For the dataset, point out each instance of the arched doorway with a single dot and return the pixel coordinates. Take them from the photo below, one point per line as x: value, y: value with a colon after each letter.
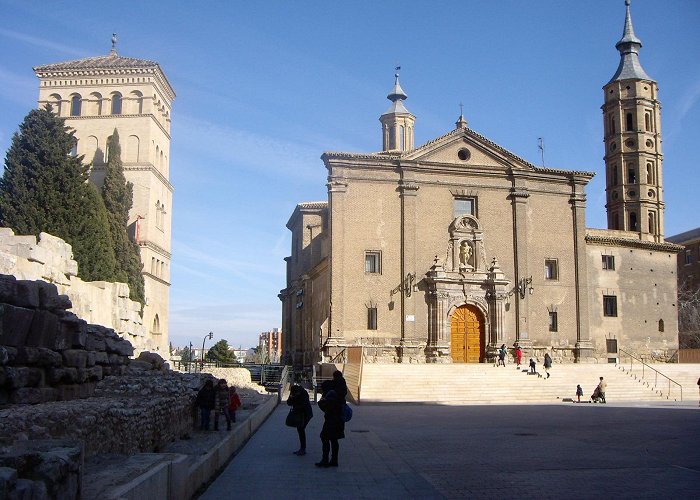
x: 467, y: 335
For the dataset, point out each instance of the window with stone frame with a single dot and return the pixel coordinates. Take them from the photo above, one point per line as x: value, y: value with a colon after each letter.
x: 610, y: 305
x: 464, y: 206
x: 373, y: 262
x: 371, y: 318
x: 608, y: 262
x: 553, y: 321
x: 688, y: 257
x: 551, y: 269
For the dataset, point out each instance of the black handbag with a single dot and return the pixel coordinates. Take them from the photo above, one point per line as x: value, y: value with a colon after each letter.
x: 294, y: 419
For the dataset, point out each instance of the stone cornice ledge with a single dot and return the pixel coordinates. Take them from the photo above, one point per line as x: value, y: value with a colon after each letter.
x: 624, y: 242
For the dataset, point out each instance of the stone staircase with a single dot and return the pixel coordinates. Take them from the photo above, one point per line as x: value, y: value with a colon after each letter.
x: 486, y: 384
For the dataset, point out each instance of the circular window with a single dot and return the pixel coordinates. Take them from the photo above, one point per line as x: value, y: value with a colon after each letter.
x: 613, y: 146
x: 632, y: 193
x: 629, y: 143
x: 628, y: 87
x: 651, y: 194
x: 464, y: 154
x: 614, y: 195
x: 650, y: 143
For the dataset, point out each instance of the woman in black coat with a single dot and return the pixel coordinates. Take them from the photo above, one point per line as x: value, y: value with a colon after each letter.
x: 299, y: 401
x: 206, y: 400
x: 333, y: 425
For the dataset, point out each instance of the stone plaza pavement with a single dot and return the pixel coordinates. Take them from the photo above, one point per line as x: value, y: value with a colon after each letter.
x: 497, y: 451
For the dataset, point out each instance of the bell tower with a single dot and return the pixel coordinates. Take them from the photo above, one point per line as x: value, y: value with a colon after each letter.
x: 397, y: 121
x: 633, y: 157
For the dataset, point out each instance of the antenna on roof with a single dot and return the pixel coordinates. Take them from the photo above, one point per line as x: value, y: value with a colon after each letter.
x: 540, y: 146
x: 114, y: 44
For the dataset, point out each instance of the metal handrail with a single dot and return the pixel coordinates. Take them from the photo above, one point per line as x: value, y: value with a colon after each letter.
x: 334, y: 359
x: 656, y: 373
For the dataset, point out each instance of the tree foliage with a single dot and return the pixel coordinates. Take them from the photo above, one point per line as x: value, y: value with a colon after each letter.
x: 689, y: 315
x: 221, y: 353
x: 118, y: 199
x: 45, y: 189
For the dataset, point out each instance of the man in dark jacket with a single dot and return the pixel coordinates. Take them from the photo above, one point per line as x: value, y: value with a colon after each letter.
x: 333, y: 425
x: 206, y: 400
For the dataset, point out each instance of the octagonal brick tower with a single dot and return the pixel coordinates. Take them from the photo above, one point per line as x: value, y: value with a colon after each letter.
x: 633, y: 157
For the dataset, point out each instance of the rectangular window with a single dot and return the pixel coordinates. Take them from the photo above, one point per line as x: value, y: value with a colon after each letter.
x: 609, y: 262
x: 688, y: 257
x: 373, y: 262
x: 371, y: 318
x: 609, y: 305
x: 551, y: 269
x: 464, y: 206
x: 553, y: 325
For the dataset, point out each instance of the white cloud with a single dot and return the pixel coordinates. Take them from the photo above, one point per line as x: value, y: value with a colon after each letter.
x: 40, y: 42
x: 260, y: 154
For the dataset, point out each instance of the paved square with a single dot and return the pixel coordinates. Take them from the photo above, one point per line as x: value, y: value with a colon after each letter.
x: 431, y: 451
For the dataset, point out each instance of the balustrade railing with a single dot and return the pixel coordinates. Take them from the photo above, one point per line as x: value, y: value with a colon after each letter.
x: 647, y: 369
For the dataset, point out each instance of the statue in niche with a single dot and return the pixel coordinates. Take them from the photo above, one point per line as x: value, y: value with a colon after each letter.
x: 465, y: 255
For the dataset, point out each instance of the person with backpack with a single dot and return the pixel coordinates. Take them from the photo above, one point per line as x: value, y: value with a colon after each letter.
x: 331, y: 404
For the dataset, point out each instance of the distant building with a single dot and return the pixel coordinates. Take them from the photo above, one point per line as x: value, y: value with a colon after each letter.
x: 688, y: 287
x: 97, y: 95
x: 444, y: 252
x: 270, y: 346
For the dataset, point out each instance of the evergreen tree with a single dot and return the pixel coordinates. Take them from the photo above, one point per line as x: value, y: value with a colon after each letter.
x: 220, y: 352
x: 45, y: 188
x: 118, y: 198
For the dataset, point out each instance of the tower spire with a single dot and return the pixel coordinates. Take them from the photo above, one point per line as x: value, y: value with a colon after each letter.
x: 629, y: 46
x: 461, y: 122
x: 397, y: 121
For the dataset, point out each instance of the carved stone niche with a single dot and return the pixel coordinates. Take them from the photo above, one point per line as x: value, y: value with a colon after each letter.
x: 466, y: 247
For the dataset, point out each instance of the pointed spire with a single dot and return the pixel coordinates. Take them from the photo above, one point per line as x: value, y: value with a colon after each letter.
x: 114, y: 44
x: 629, y: 46
x: 397, y: 92
x: 461, y: 122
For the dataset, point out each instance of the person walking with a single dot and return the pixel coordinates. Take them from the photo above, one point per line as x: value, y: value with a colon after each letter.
x: 234, y: 403
x: 222, y: 401
x: 547, y: 363
x: 579, y: 392
x: 518, y: 355
x: 699, y: 390
x: 502, y: 352
x: 299, y: 401
x: 206, y: 400
x: 333, y: 424
x: 602, y: 385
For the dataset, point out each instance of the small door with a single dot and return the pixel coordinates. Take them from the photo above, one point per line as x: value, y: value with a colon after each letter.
x: 467, y: 335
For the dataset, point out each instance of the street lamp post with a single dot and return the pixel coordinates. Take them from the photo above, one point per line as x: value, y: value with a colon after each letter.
x: 210, y: 336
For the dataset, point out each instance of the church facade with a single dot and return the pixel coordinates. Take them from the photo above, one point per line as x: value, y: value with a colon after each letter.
x: 97, y: 95
x: 444, y: 252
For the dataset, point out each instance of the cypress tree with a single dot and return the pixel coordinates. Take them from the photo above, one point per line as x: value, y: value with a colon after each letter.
x: 118, y: 198
x: 45, y: 188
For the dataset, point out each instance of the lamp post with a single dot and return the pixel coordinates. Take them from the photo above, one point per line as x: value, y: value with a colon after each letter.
x: 210, y: 336
x: 522, y: 286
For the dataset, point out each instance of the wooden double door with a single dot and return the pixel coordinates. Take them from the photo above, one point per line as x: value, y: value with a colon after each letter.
x: 468, y: 335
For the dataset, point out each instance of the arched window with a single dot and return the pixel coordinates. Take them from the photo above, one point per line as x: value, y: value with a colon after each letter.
x: 392, y: 138
x: 629, y: 125
x: 647, y: 122
x: 75, y: 102
x: 661, y: 325
x: 116, y: 103
x: 612, y: 124
x: 74, y: 148
x: 652, y: 222
x: 402, y: 138
x: 55, y: 102
x: 132, y: 149
x: 650, y: 173
x: 156, y: 325
x: 95, y: 104
x: 153, y: 266
x: 137, y: 102
x: 633, y: 221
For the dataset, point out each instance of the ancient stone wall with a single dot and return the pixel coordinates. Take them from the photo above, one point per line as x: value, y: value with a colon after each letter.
x: 49, y: 258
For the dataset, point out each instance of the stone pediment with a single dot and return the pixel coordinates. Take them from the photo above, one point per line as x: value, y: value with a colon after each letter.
x: 464, y: 147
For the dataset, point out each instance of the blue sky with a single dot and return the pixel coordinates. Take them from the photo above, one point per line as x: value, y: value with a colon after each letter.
x: 263, y: 88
